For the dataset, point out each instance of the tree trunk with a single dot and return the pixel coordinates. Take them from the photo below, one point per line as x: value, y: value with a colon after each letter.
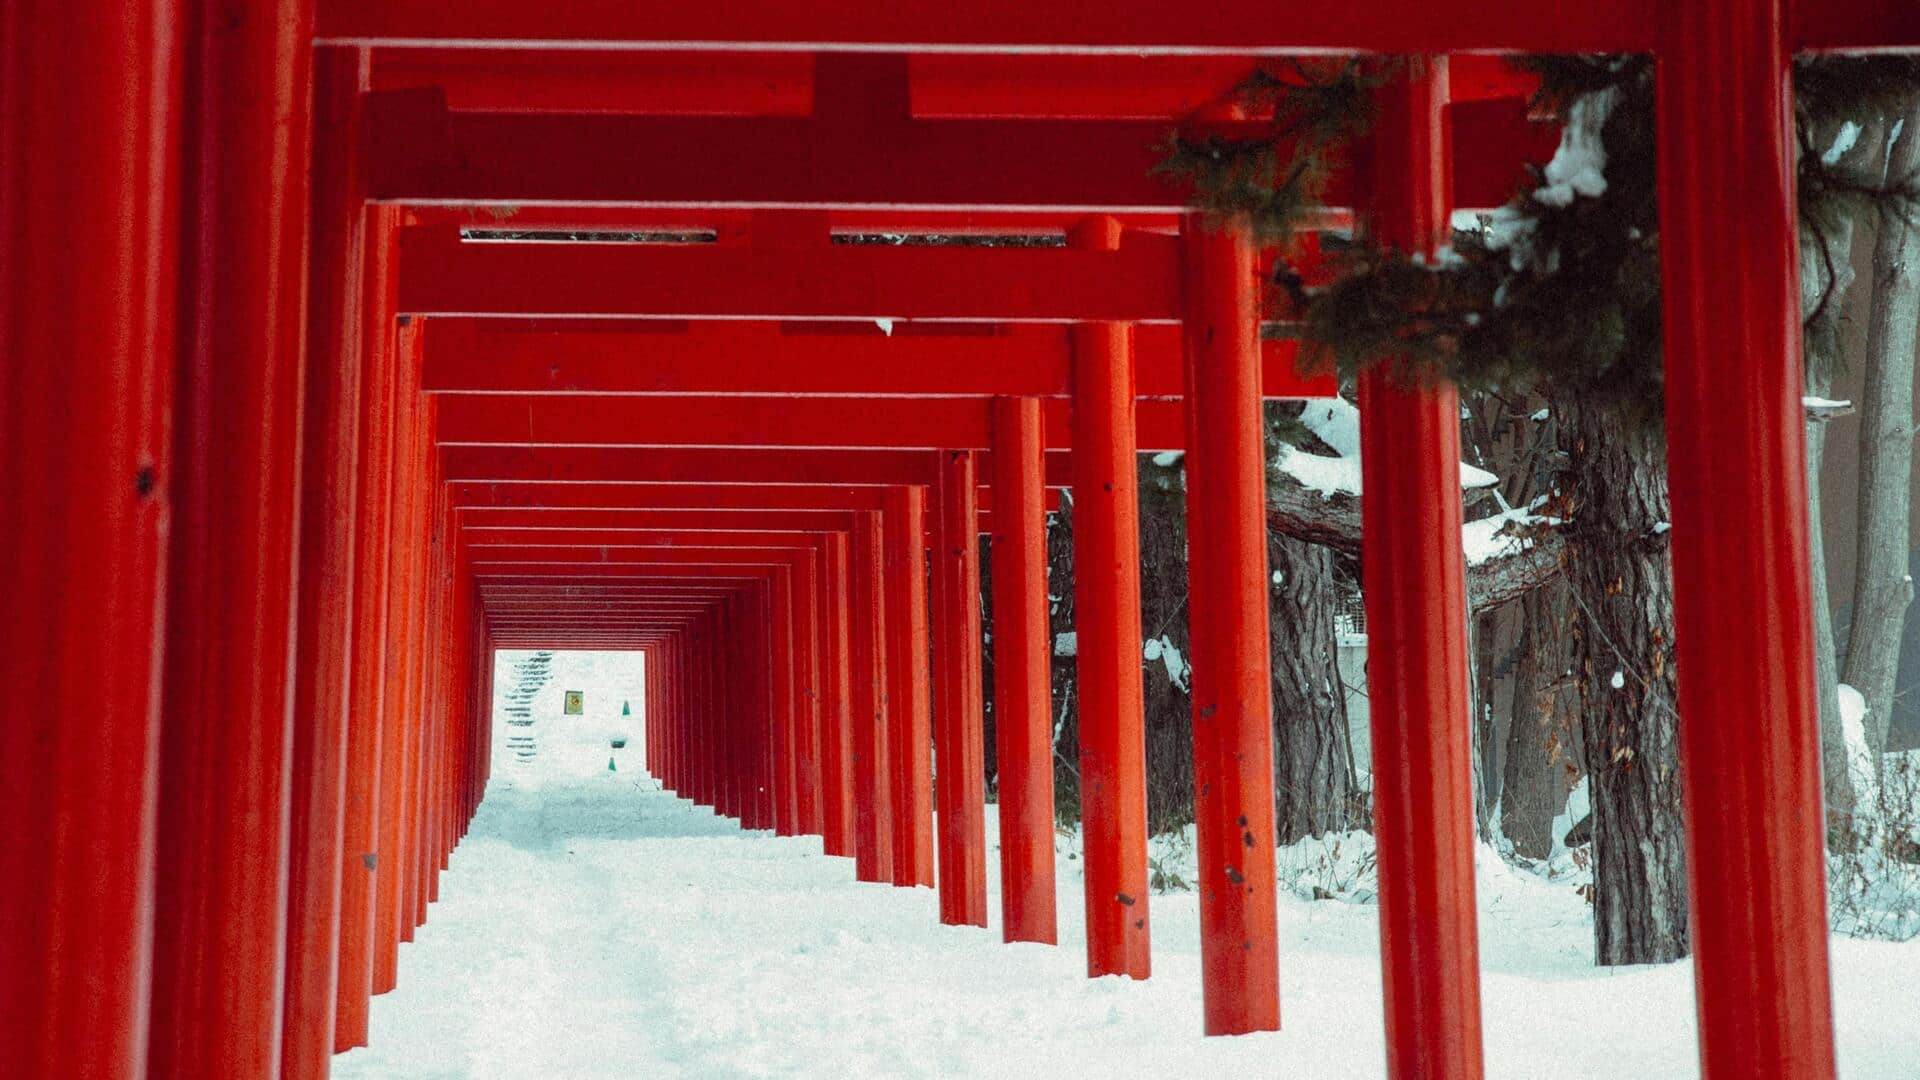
x: 1826, y: 280
x: 1881, y: 589
x: 1543, y: 761
x: 1622, y: 593
x: 1485, y: 657
x: 1313, y: 781
x: 1166, y: 647
x: 1066, y: 718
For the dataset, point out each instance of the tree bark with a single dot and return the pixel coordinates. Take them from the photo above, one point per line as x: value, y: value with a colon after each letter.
x: 1066, y: 717
x: 1163, y: 618
x: 1543, y: 760
x: 1333, y: 521
x: 1313, y: 780
x: 1622, y: 593
x: 1485, y: 653
x: 1882, y: 590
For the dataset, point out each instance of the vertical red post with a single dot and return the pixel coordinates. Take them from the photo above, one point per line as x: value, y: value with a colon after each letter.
x: 909, y: 735
x: 1022, y: 677
x: 1227, y: 613
x: 1106, y: 604
x: 329, y: 525
x: 1749, y: 743
x: 807, y: 736
x: 1417, y: 634
x: 836, y: 773
x: 89, y: 213
x: 959, y: 769
x: 220, y: 910
x: 873, y: 795
x: 398, y: 716
x: 786, y: 803
x: 360, y: 837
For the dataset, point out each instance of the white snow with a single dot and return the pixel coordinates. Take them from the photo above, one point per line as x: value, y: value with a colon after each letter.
x: 1066, y: 644
x: 1579, y: 166
x: 1843, y: 141
x: 1163, y: 650
x: 591, y: 925
x: 1166, y: 458
x: 1812, y: 402
x: 1487, y: 538
x: 1335, y: 422
x: 1853, y: 728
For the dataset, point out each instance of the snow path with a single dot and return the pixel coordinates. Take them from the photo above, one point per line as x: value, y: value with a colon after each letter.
x: 593, y: 926
x: 605, y: 930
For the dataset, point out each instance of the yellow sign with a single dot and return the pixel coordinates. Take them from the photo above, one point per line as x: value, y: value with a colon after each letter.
x: 576, y: 703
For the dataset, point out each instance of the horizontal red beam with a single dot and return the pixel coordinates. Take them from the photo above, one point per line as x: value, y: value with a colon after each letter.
x: 696, y: 495
x: 1002, y: 26
x: 483, y: 521
x: 830, y: 469
x: 705, y: 555
x: 825, y: 468
x: 421, y: 152
x: 492, y: 356
x: 481, y: 543
x: 588, y: 575
x: 730, y: 224
x: 599, y: 592
x: 442, y: 275
x: 668, y: 83
x: 767, y: 422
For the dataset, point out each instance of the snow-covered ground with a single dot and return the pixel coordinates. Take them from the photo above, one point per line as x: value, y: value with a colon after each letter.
x: 594, y: 926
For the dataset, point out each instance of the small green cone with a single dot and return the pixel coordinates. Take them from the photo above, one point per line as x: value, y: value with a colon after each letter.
x: 610, y: 767
x: 626, y: 709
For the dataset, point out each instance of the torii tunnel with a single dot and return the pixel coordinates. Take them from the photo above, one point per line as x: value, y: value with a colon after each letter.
x: 295, y: 435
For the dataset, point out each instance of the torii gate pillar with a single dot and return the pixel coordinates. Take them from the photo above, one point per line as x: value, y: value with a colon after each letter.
x: 1227, y: 611
x: 1417, y: 626
x: 1743, y: 612
x: 1106, y: 608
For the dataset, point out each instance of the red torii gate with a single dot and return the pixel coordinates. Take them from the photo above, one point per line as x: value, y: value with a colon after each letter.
x: 197, y: 484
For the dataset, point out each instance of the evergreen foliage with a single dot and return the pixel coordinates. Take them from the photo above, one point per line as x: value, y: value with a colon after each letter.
x: 1558, y: 291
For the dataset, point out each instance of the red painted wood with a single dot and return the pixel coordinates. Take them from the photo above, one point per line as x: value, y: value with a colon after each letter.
x: 875, y: 468
x: 677, y: 83
x: 399, y: 718
x: 366, y: 723
x: 1417, y: 641
x: 1022, y: 676
x: 786, y: 705
x: 691, y: 496
x: 909, y: 733
x: 769, y: 422
x: 1742, y: 587
x: 959, y: 769
x: 644, y: 357
x: 836, y: 748
x: 89, y: 211
x: 1231, y: 691
x: 485, y: 521
x: 220, y: 905
x: 808, y: 617
x: 873, y: 795
x: 1078, y: 26
x: 329, y: 526
x: 1106, y: 584
x: 444, y: 276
